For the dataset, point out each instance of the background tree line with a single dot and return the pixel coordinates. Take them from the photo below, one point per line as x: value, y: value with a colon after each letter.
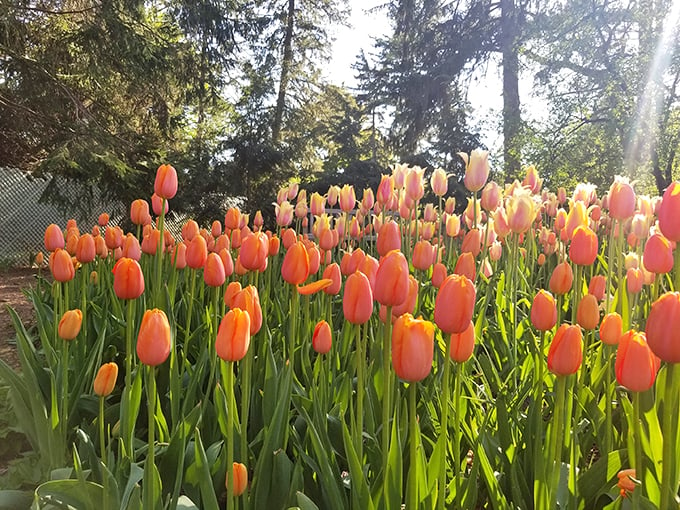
x: 231, y: 92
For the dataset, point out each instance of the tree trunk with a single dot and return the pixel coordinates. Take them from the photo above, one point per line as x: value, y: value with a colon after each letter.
x: 285, y: 71
x: 512, y: 119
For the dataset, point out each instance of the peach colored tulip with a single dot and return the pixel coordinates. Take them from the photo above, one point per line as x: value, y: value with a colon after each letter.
x: 566, y: 350
x: 454, y: 304
x: 412, y: 348
x: 233, y: 335
x: 128, y: 279
x: 322, y: 338
x: 461, y: 345
x: 154, y: 338
x: 105, y: 380
x: 357, y: 299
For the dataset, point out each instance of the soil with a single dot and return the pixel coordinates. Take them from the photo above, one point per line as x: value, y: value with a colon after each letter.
x: 13, y: 282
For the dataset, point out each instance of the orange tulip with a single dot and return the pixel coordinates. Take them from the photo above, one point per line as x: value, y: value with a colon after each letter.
x: 197, y: 252
x: 621, y: 199
x: 213, y: 272
x: 454, y: 304
x: 636, y: 365
x: 438, y: 274
x: 150, y: 242
x: 588, y: 313
x: 391, y: 279
x: 561, y: 279
x: 254, y: 250
x: 113, y: 237
x: 131, y: 248
x: 54, y: 238
x: 332, y: 272
x: 634, y: 280
x: 583, y: 247
x: 105, y: 380
x: 72, y: 242
x: 128, y: 279
x: 322, y: 338
x: 466, y: 266
x: 598, y: 286
x: 543, y: 311
x: 625, y: 483
x: 216, y: 228
x: 102, y: 249
x: 347, y: 198
x: 295, y: 267
x: 154, y: 338
x: 61, y: 266
x: 472, y: 242
x: 240, y: 476
x: 357, y: 299
x: 274, y: 245
x: 232, y: 289
x: 289, y: 238
x: 389, y: 238
x: 139, y: 211
x: 165, y: 185
x: 423, y: 255
x: 314, y: 259
x: 566, y: 350
x: 412, y: 348
x: 232, y: 218
x: 611, y: 328
x: 179, y: 256
x: 462, y: 344
x: 658, y: 255
x: 70, y: 323
x: 669, y: 212
x: 233, y: 335
x: 86, y: 251
x: 248, y: 299
x: 189, y: 230
x: 663, y: 323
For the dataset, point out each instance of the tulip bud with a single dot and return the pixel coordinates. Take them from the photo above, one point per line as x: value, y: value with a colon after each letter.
x: 663, y: 323
x: 357, y: 299
x: 240, y: 475
x: 70, y: 323
x: 454, y: 304
x: 566, y: 350
x: 128, y: 279
x: 412, y: 348
x: 322, y: 337
x: 105, y: 380
x: 154, y: 338
x: 543, y: 311
x: 54, y: 238
x: 611, y: 328
x: 588, y: 313
x: 462, y: 344
x: 233, y: 335
x: 636, y: 365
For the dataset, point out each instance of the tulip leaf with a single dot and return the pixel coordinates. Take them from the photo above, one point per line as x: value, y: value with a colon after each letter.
x: 304, y: 503
x: 208, y: 497
x: 361, y: 495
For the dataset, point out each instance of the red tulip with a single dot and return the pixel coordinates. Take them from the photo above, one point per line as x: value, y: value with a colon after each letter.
x: 566, y: 350
x: 128, y: 279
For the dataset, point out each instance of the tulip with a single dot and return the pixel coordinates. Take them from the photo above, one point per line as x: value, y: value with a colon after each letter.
x: 105, y: 380
x: 413, y: 184
x: 439, y: 274
x: 61, y: 266
x: 636, y: 365
x: 566, y: 350
x: 128, y: 279
x: 189, y: 230
x: 357, y: 299
x: 347, y: 198
x: 86, y: 250
x: 113, y: 237
x: 625, y: 483
x: 466, y: 266
x: 597, y: 286
x: 423, y: 255
x: 295, y: 267
x: 389, y: 238
x: 621, y: 199
x: 669, y: 212
x: 611, y: 328
x: 583, y: 247
x: 454, y: 304
x: 412, y: 348
x: 634, y: 280
x: 543, y: 311
x: 462, y: 344
x: 588, y: 313
x: 322, y: 337
x: 70, y: 323
x: 314, y: 259
x: 165, y: 185
x: 54, y: 238
x: 491, y: 197
x: 561, y: 279
x: 154, y: 338
x: 213, y: 272
x: 521, y: 212
x: 663, y: 322
x: 157, y: 203
x: 391, y: 279
x: 139, y: 211
x: 197, y: 252
x: 577, y: 217
x: 240, y: 474
x: 233, y: 335
x: 439, y: 182
x: 472, y: 242
x: 531, y: 180
x: 658, y: 255
x: 248, y: 299
x: 254, y: 250
x: 476, y: 169
x: 452, y: 225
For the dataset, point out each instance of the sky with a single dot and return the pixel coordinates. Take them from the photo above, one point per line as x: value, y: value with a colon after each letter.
x: 484, y: 93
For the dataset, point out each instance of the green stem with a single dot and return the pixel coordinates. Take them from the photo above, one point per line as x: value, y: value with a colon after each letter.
x: 670, y: 419
x: 102, y: 438
x: 358, y: 433
x: 245, y: 403
x: 444, y: 431
x: 387, y: 388
x: 412, y: 491
x: 292, y: 324
x: 187, y: 330
x: 129, y: 332
x: 228, y: 376
x: 457, y: 474
x: 606, y: 352
x: 557, y: 439
x: 159, y: 256
x: 637, y: 439
x: 150, y: 456
x: 64, y: 389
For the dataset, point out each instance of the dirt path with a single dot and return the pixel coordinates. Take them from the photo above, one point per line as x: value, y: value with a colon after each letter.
x: 12, y: 284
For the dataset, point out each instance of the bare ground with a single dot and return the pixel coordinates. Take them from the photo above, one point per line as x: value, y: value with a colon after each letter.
x: 12, y: 284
